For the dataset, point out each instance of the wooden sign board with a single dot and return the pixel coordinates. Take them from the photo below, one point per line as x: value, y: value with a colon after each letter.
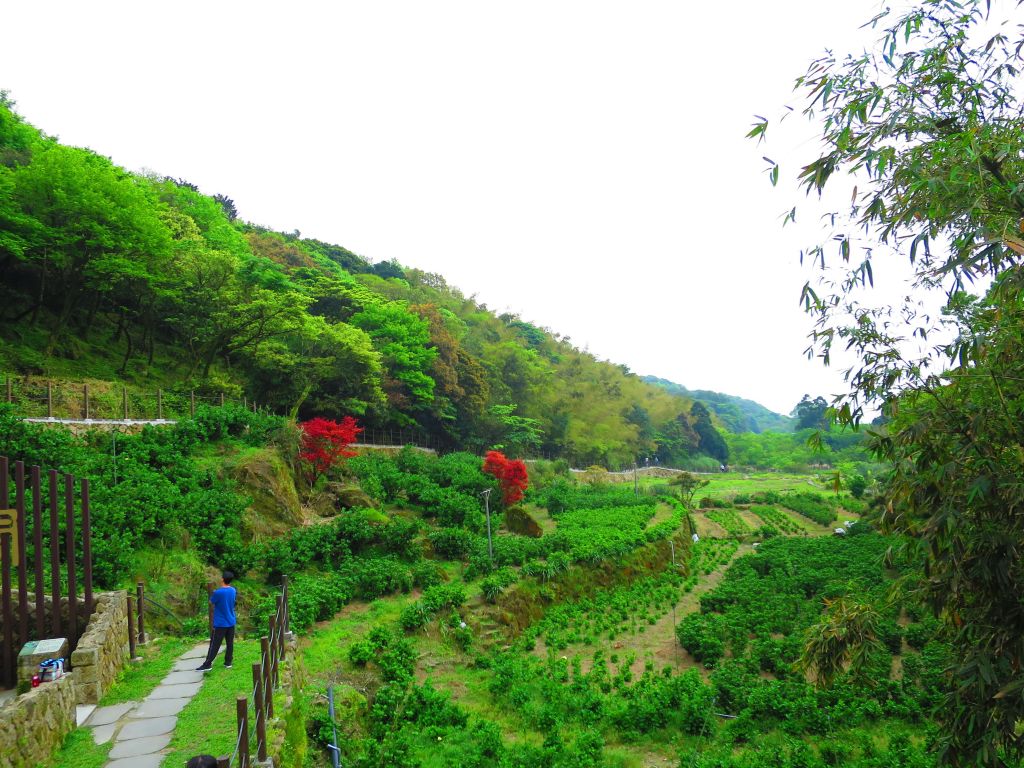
x: 9, y: 525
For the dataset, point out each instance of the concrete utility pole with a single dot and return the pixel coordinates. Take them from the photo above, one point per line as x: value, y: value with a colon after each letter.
x: 487, y: 506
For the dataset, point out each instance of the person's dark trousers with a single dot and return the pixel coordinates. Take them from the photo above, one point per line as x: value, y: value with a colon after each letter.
x: 219, y: 634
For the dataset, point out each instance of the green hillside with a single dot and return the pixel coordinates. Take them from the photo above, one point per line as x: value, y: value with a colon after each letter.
x: 737, y: 414
x: 121, y: 277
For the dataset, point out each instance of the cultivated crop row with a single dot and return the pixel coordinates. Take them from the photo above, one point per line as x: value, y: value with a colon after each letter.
x: 777, y: 519
x: 730, y: 520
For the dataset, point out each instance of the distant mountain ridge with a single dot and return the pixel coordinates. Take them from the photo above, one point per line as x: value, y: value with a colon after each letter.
x: 737, y: 414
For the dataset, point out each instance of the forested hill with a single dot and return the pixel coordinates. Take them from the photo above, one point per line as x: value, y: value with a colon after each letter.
x: 112, y: 275
x: 737, y: 414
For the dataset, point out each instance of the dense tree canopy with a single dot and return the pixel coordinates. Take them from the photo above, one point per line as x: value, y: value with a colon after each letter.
x: 927, y: 125
x: 145, y: 279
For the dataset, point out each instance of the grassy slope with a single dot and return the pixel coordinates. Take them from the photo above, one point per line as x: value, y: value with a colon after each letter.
x: 451, y: 670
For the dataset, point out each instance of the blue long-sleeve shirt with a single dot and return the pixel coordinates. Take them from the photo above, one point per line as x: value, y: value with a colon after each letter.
x: 223, y: 601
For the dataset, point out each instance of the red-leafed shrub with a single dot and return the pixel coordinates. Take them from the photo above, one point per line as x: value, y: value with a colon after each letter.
x: 511, y: 475
x: 325, y: 442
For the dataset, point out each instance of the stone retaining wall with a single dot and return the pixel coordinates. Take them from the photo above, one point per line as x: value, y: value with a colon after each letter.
x: 103, y: 650
x: 33, y: 725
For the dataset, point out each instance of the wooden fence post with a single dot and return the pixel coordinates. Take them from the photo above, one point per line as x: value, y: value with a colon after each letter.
x: 85, y: 396
x: 8, y: 672
x: 49, y: 399
x: 268, y: 688
x: 69, y: 543
x: 124, y: 401
x: 19, y: 505
x: 140, y: 594
x: 131, y: 625
x: 284, y: 593
x: 242, y: 711
x: 8, y: 662
x: 87, y: 546
x: 273, y: 652
x: 279, y: 602
x: 55, y: 552
x: 37, y: 545
x: 261, y: 713
x: 224, y: 762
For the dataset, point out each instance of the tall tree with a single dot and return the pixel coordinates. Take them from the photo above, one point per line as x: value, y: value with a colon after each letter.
x: 811, y: 414
x: 711, y: 441
x: 928, y: 125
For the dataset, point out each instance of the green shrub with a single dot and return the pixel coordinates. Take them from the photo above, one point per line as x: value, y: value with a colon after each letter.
x: 452, y: 543
x: 361, y: 653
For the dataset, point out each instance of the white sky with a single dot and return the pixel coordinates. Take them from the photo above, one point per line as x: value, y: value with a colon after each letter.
x: 579, y: 163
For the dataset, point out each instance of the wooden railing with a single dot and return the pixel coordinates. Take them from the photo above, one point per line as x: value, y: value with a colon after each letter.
x: 22, y: 524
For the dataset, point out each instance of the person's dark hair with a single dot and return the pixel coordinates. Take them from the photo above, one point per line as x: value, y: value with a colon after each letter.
x: 202, y: 761
x: 227, y: 576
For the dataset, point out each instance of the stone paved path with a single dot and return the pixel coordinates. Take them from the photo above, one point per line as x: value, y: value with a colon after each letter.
x: 141, y: 731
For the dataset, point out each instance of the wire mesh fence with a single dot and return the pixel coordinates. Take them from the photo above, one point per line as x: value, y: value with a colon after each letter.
x: 35, y: 398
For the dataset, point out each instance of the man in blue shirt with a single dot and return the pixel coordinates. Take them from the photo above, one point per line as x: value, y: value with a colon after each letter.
x: 223, y: 601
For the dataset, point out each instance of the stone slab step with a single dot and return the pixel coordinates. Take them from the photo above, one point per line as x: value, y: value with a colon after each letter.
x: 101, y: 734
x: 140, y: 761
x: 160, y: 708
x: 82, y: 712
x: 109, y: 715
x: 199, y: 652
x: 175, y: 691
x: 141, y: 729
x: 177, y: 678
x: 135, y: 748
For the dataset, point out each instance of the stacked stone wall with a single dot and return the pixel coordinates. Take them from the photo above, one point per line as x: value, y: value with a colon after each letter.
x: 103, y: 650
x: 34, y: 725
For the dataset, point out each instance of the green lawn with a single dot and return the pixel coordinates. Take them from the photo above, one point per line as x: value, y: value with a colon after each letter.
x: 729, y: 483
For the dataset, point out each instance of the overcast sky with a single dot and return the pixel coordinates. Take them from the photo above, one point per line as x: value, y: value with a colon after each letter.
x: 581, y: 164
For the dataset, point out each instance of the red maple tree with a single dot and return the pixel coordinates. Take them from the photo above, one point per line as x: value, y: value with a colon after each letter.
x: 511, y: 475
x: 325, y: 442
